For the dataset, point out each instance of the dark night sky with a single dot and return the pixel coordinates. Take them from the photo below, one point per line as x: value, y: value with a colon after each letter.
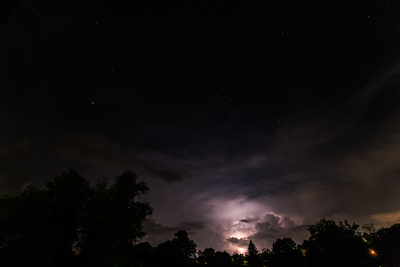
x: 247, y: 121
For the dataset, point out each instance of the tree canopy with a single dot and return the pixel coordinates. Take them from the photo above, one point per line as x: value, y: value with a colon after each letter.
x: 384, y: 245
x: 180, y: 251
x: 332, y: 244
x: 71, y: 223
x: 252, y: 255
x: 285, y: 252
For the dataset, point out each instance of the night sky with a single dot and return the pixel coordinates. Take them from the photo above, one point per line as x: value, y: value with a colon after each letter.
x: 246, y: 120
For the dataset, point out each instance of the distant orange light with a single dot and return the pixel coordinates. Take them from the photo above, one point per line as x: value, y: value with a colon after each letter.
x: 372, y: 252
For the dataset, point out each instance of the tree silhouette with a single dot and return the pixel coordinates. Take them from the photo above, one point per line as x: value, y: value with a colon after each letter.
x: 331, y: 244
x: 209, y: 257
x: 143, y: 255
x: 222, y: 259
x: 180, y: 251
x: 40, y: 227
x: 384, y: 246
x: 285, y: 252
x: 206, y: 257
x: 252, y: 255
x: 114, y: 221
x: 237, y: 260
x: 71, y: 223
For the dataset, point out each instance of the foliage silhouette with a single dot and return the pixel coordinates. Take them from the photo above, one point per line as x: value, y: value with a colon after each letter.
x: 114, y: 221
x: 332, y: 244
x: 285, y: 252
x: 222, y: 259
x: 210, y: 257
x: 143, y: 255
x: 384, y: 245
x: 40, y: 227
x: 206, y: 257
x: 70, y: 223
x: 252, y: 255
x: 237, y: 260
x: 180, y: 251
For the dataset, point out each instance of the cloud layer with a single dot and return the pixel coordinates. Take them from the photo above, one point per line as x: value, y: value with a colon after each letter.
x: 236, y: 141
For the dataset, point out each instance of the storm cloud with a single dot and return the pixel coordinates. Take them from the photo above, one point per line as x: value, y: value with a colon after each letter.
x: 235, y: 141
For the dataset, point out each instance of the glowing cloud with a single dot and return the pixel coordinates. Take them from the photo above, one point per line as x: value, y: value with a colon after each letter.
x: 387, y: 218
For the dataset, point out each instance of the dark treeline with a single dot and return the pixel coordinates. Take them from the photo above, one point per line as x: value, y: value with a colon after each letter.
x: 71, y: 223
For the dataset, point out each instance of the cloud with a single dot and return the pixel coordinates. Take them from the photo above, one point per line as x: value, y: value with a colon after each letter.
x: 158, y: 233
x: 337, y: 157
x: 151, y: 226
x: 269, y: 228
x: 272, y: 227
x: 325, y: 161
x: 91, y: 148
x: 237, y: 243
x: 193, y: 225
x: 233, y: 240
x: 249, y: 220
x: 170, y: 176
x: 265, y: 230
x: 387, y: 218
x: 95, y: 149
x: 197, y: 230
x: 167, y: 175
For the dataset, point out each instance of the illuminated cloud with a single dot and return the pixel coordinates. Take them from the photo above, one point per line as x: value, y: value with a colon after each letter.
x: 233, y: 240
x: 387, y: 219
